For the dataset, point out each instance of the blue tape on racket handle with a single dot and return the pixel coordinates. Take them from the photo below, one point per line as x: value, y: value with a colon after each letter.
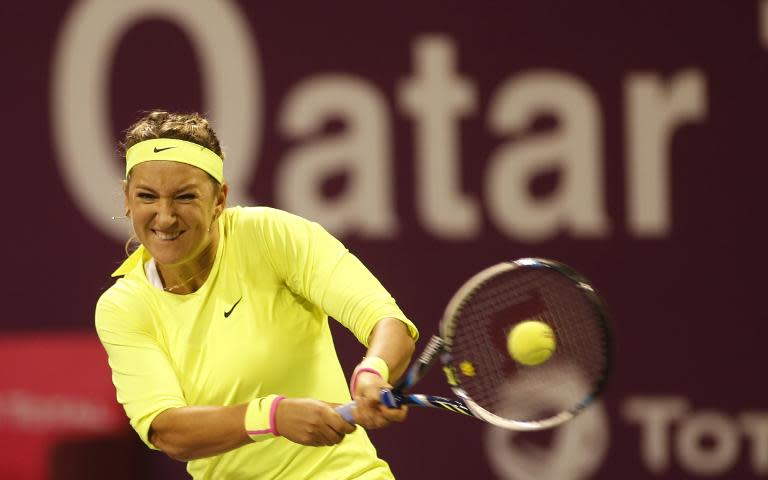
x: 387, y: 398
x: 346, y: 412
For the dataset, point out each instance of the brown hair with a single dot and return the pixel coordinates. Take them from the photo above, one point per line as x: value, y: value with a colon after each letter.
x: 191, y: 127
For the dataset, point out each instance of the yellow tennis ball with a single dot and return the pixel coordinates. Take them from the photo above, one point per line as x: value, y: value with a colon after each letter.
x: 531, y: 342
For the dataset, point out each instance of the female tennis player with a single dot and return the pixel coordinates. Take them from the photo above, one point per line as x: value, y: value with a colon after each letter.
x: 217, y: 327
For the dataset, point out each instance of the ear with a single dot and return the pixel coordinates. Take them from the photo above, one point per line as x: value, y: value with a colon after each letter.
x: 221, y: 200
x: 125, y: 198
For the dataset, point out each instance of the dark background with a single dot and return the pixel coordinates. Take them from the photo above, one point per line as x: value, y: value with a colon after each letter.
x: 686, y: 303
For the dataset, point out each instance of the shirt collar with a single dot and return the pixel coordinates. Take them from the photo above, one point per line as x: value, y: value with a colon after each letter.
x: 136, y: 258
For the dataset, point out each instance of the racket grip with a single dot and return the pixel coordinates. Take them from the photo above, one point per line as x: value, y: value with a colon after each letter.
x: 386, y: 397
x: 346, y: 412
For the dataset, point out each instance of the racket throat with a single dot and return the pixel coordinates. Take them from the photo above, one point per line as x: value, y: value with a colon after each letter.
x: 419, y: 368
x: 434, y: 347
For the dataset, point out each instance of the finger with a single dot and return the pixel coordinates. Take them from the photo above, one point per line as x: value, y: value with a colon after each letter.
x: 363, y: 416
x: 341, y: 426
x: 328, y: 436
x: 336, y: 423
x: 333, y: 437
x: 380, y: 421
x: 374, y: 418
x: 364, y: 411
x: 394, y: 414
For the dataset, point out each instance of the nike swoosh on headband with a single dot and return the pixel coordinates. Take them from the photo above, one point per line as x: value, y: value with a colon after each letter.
x: 158, y: 150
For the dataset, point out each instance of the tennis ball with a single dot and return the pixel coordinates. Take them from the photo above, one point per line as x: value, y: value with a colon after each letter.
x: 531, y: 342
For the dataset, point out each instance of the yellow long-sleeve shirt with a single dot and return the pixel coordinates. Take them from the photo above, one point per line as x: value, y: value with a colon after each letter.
x: 258, y: 327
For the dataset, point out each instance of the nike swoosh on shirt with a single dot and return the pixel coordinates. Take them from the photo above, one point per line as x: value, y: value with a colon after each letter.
x: 226, y: 314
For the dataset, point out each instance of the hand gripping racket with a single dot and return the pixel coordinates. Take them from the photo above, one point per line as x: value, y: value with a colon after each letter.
x: 472, y: 346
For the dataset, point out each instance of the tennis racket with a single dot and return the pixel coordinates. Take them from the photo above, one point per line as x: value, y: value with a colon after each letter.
x: 472, y: 347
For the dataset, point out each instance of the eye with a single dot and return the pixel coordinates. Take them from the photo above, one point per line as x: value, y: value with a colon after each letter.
x: 187, y: 197
x: 145, y: 196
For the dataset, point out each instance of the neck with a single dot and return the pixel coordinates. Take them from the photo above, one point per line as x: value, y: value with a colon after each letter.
x: 189, y: 276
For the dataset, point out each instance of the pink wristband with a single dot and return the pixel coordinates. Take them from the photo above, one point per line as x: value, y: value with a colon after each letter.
x: 371, y: 364
x: 273, y: 415
x: 356, y: 373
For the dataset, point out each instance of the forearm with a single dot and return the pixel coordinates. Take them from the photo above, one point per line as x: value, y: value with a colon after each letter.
x: 189, y: 433
x: 391, y: 342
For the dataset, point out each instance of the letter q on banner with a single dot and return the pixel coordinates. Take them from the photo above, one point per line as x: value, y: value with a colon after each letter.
x: 80, y: 114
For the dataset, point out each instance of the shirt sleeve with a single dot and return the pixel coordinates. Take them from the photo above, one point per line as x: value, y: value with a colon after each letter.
x: 144, y: 379
x: 318, y: 267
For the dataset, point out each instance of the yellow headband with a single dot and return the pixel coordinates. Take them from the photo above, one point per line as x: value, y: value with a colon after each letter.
x: 175, y: 151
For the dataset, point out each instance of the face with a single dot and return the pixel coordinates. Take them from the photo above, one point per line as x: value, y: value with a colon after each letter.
x: 173, y: 208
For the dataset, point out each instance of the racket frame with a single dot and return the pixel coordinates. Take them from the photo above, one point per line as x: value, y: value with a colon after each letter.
x: 448, y: 327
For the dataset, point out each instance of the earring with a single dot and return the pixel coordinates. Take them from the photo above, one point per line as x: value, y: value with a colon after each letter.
x: 122, y: 217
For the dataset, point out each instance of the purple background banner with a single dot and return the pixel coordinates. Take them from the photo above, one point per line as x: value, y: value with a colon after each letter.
x: 435, y: 139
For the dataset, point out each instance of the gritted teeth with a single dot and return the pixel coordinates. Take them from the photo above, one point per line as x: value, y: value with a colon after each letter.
x: 167, y: 235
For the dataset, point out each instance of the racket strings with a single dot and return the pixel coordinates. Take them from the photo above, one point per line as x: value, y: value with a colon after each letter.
x: 488, y: 374
x: 583, y: 340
